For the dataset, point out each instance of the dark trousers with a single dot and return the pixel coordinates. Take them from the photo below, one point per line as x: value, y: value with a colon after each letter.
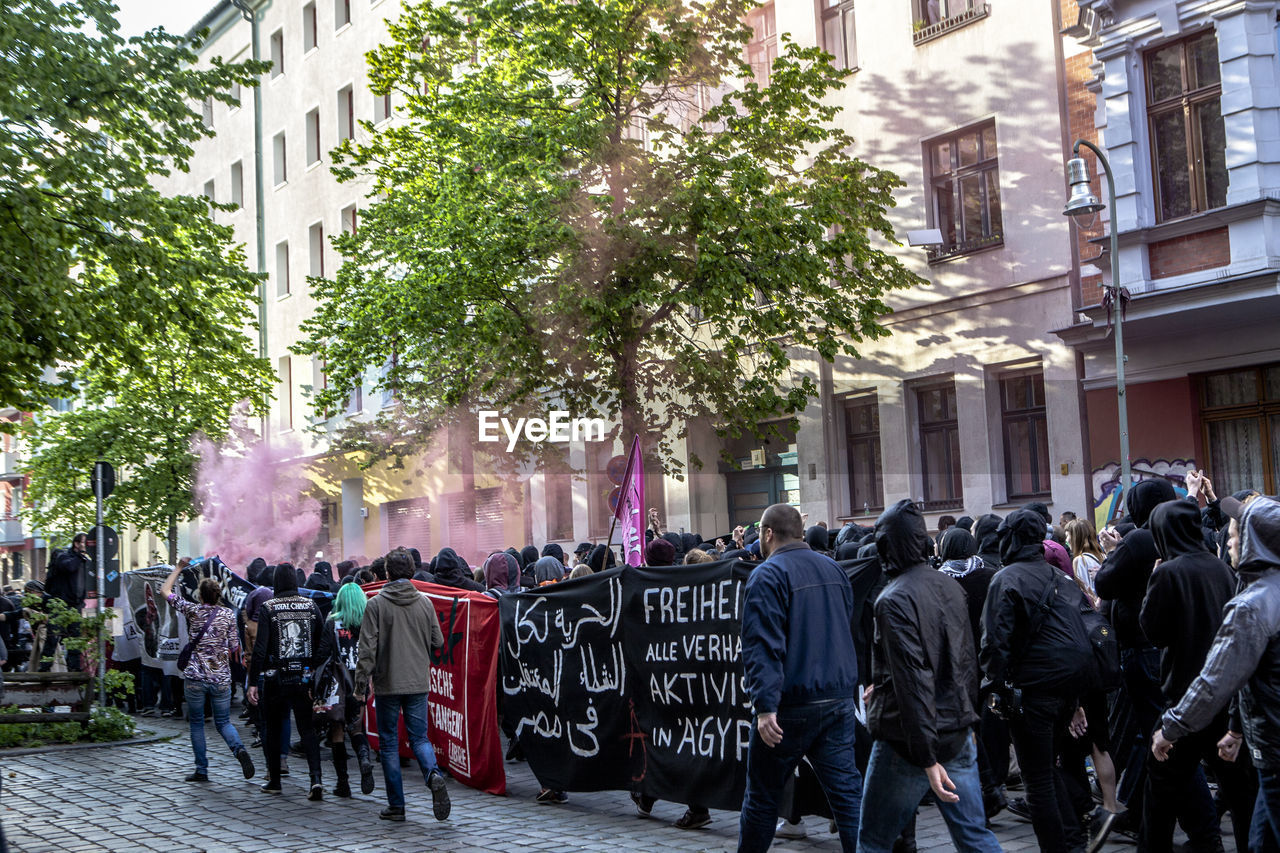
x: 1177, y: 792
x: 1038, y: 738
x: 276, y: 703
x: 51, y: 638
x: 993, y: 750
x: 825, y: 733
x: 1264, y: 834
x: 1141, y: 671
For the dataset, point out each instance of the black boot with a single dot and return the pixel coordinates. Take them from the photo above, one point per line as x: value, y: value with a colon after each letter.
x: 317, y: 788
x: 343, y: 788
x: 365, y: 757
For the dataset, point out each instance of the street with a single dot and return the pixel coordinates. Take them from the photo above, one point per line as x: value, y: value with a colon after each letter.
x: 129, y: 798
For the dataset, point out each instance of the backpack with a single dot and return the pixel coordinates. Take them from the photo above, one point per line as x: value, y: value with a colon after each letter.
x: 1106, y: 650
x: 1059, y: 617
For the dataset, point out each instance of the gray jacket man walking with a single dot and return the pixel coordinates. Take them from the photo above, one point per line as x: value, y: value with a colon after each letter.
x: 399, y: 634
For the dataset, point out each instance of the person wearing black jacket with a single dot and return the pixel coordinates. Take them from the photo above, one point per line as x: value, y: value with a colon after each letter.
x: 1028, y: 644
x: 1181, y: 615
x: 284, y: 656
x: 923, y: 695
x: 451, y: 570
x: 65, y: 581
x: 1122, y: 583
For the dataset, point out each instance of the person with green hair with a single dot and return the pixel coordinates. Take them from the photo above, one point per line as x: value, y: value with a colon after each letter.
x: 336, y: 706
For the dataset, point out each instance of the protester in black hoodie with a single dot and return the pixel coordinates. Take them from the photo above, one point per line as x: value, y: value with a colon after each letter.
x: 321, y: 577
x: 923, y: 696
x: 1045, y: 664
x: 451, y: 570
x: 1122, y: 583
x: 1181, y: 615
x: 284, y: 655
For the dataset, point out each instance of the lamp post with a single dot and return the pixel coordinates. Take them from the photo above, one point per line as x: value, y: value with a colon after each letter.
x: 1084, y: 203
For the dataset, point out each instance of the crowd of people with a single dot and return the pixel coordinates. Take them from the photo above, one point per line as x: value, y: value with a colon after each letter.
x: 1148, y: 651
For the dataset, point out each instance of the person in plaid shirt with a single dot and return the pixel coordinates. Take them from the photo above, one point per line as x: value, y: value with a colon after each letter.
x: 212, y: 630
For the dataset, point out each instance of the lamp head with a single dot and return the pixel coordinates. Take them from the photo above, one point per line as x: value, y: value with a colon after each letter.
x: 1082, y: 202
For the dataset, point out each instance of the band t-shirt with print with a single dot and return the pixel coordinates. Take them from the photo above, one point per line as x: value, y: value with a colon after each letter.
x: 210, y: 660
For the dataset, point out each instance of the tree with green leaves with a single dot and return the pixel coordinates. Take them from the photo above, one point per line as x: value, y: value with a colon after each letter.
x: 594, y: 206
x: 87, y: 120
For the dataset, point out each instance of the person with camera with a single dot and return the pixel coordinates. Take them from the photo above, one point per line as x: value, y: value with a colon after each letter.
x: 1036, y: 667
x: 923, y: 695
x: 284, y: 655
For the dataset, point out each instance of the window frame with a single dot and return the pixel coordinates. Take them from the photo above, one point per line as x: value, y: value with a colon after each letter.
x: 945, y: 426
x: 310, y: 28
x: 871, y: 439
x: 276, y: 47
x: 956, y: 175
x: 1187, y: 100
x: 346, y: 113
x: 766, y: 43
x: 1030, y: 415
x: 315, y: 145
x: 839, y: 9
x: 341, y: 14
x: 1263, y: 409
x: 284, y: 285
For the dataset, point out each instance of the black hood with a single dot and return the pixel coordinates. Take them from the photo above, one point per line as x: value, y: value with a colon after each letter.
x: 514, y: 553
x: 255, y: 569
x: 529, y: 554
x: 450, y: 567
x: 285, y: 580
x: 1175, y: 525
x: 1259, y: 538
x: 816, y: 538
x: 1145, y: 496
x: 602, y: 557
x: 674, y: 539
x: 902, y: 539
x: 957, y: 544
x: 1022, y: 537
x: 417, y: 559
x: 847, y: 550
x: 986, y: 530
x: 551, y: 549
x: 689, y: 541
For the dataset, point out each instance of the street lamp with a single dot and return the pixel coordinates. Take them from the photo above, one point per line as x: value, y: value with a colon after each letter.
x: 1083, y: 203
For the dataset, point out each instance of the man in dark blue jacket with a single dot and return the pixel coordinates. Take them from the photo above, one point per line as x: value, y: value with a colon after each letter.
x: 802, y: 675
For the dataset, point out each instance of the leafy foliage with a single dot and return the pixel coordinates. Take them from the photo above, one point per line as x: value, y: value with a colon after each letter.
x: 556, y: 224
x: 99, y: 266
x: 107, y: 724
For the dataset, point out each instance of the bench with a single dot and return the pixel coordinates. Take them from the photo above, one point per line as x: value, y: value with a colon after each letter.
x: 41, y: 689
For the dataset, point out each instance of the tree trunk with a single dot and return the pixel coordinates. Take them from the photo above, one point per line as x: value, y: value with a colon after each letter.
x: 173, y: 539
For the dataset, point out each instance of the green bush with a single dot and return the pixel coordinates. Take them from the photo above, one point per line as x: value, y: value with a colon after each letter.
x: 107, y: 723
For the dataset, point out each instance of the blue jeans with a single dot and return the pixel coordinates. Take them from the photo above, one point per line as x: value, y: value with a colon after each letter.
x: 220, y: 694
x: 1264, y: 833
x: 825, y: 733
x: 894, y: 788
x: 388, y: 710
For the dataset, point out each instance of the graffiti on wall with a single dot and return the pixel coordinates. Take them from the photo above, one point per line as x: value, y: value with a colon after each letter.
x: 1106, y: 483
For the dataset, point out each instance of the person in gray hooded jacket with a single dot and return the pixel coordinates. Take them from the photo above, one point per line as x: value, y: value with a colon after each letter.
x: 1244, y: 658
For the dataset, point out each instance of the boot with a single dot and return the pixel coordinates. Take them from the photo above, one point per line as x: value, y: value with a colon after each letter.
x: 365, y: 757
x: 343, y: 788
x: 317, y: 788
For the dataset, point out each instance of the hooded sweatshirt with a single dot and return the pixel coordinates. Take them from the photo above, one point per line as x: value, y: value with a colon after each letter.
x: 288, y: 638
x: 1123, y: 576
x: 452, y: 571
x: 1188, y: 590
x: 923, y: 664
x: 987, y: 531
x: 960, y: 561
x: 548, y: 569
x: 497, y: 574
x: 398, y: 637
x: 816, y: 538
x: 529, y: 554
x: 1245, y: 655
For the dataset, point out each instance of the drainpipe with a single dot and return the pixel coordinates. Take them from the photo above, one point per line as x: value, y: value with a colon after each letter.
x: 252, y: 11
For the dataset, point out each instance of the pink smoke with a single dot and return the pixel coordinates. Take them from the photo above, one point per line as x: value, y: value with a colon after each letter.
x: 254, y: 503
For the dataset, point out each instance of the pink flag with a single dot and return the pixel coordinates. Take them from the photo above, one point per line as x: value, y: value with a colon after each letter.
x: 630, y: 511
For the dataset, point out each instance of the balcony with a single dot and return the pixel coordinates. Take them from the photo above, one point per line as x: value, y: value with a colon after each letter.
x: 964, y: 247
x: 10, y: 465
x: 929, y: 32
x: 11, y: 532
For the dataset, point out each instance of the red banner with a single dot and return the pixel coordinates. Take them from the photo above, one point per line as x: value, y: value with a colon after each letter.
x: 462, y: 705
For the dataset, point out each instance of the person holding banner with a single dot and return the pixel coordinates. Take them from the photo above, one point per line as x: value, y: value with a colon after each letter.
x: 802, y: 676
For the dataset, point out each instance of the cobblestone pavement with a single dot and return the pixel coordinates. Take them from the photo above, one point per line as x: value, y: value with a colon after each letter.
x: 127, y: 798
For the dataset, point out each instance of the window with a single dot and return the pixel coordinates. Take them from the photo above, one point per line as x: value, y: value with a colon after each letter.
x: 1188, y: 135
x: 940, y: 446
x: 381, y: 107
x: 558, y: 486
x: 313, y: 136
x: 281, y: 162
x: 1026, y: 435
x: 408, y: 523
x: 341, y: 13
x: 285, y: 409
x: 282, y: 268
x: 277, y: 54
x: 862, y: 430
x: 208, y: 189
x: 348, y: 217
x: 355, y: 402
x: 237, y: 183
x: 964, y: 181
x: 762, y: 49
x: 837, y: 29
x: 315, y: 241
x: 236, y: 94
x: 930, y: 12
x: 1240, y: 410
x: 346, y: 114
x: 207, y: 113
x: 310, y: 37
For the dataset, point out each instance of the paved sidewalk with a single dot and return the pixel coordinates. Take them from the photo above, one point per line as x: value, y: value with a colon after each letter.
x: 130, y: 798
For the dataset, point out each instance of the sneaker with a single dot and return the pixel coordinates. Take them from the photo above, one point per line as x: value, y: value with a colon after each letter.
x: 1100, y: 824
x: 440, y: 805
x: 641, y: 809
x: 171, y: 713
x: 514, y: 752
x: 246, y: 762
x: 149, y: 712
x: 549, y: 797
x: 994, y: 801
x: 787, y: 829
x: 284, y: 766
x: 366, y: 778
x: 317, y: 792
x: 342, y: 789
x: 257, y: 743
x: 272, y: 789
x: 693, y: 820
x: 1019, y: 806
x: 392, y: 813
x: 197, y: 777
